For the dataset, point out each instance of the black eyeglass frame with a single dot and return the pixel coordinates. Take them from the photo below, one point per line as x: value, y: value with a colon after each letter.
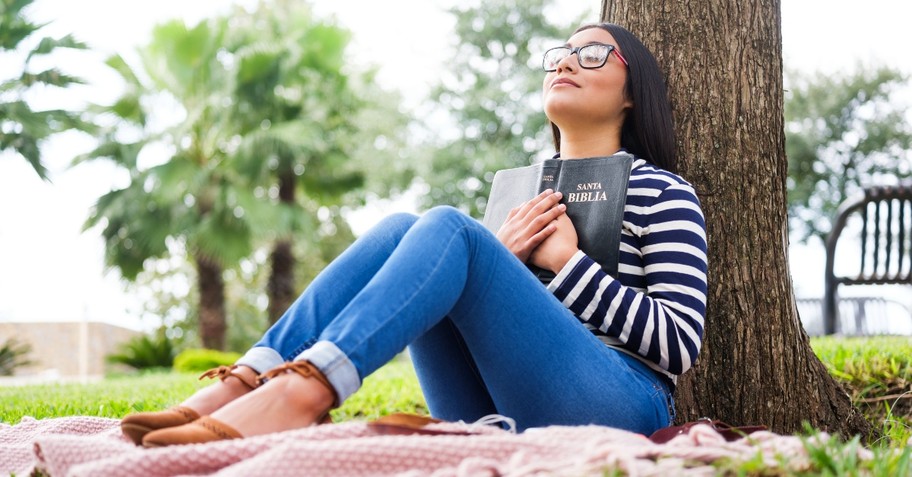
x: 576, y: 50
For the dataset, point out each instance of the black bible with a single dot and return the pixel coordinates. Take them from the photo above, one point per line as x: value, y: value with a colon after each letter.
x: 594, y: 190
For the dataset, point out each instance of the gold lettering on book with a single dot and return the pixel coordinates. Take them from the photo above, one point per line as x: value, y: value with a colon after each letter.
x: 549, y: 178
x: 589, y: 186
x: 594, y: 193
x: 587, y: 196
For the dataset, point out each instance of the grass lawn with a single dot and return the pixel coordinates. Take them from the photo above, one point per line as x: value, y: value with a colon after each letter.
x: 876, y: 371
x: 393, y: 388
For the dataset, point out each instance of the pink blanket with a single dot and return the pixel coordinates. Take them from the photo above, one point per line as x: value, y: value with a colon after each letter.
x: 90, y: 446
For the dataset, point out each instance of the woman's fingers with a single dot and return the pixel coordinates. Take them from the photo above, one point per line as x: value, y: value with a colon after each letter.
x: 530, y: 224
x: 544, y: 218
x: 538, y: 204
x: 536, y: 239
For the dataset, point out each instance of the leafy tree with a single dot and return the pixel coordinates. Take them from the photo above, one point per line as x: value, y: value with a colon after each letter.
x: 492, y: 91
x: 843, y: 132
x: 186, y: 196
x: 22, y: 129
x: 276, y: 138
x: 304, y: 117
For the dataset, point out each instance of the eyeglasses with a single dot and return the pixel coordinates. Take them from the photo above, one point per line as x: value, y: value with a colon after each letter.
x: 591, y: 56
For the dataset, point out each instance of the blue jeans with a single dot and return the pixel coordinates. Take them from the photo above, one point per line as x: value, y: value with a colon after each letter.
x: 485, y: 335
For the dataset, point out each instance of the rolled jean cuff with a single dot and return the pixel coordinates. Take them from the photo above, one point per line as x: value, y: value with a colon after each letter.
x: 335, y: 365
x: 260, y: 359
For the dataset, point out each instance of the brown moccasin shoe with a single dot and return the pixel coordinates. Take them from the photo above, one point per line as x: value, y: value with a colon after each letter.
x: 204, y: 429
x: 208, y: 429
x: 136, y: 426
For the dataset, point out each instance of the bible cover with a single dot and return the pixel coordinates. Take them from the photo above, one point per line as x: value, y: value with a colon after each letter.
x: 594, y: 189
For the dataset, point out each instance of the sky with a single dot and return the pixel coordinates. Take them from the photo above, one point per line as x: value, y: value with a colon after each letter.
x: 51, y: 270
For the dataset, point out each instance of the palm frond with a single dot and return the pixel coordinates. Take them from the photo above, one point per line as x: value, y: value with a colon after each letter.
x: 328, y: 186
x: 123, y: 154
x: 47, y: 45
x: 26, y: 146
x: 49, y: 77
x: 14, y: 32
x: 185, y: 60
x: 286, y: 144
x: 117, y: 63
x: 134, y: 227
x: 258, y: 61
x: 222, y: 235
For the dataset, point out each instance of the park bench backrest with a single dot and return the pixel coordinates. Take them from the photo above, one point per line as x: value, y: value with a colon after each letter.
x: 886, y: 253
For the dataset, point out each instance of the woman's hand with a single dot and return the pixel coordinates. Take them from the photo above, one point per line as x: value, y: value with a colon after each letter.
x: 528, y: 225
x: 558, y: 248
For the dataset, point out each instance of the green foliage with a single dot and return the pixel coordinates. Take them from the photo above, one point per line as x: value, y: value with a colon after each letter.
x: 309, y: 121
x: 492, y: 91
x: 843, y: 132
x: 188, y: 196
x: 146, y: 351
x: 271, y: 144
x: 301, y: 114
x: 13, y: 354
x: 129, y: 242
x: 186, y: 199
x: 22, y: 129
x: 196, y: 360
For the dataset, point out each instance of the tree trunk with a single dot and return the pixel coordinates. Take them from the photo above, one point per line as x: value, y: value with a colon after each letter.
x: 212, y: 323
x: 723, y: 62
x: 281, y: 287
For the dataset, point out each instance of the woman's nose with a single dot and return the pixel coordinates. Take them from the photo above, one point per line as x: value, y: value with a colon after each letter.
x: 568, y: 62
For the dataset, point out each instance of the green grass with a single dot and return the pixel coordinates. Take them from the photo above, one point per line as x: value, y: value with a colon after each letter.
x: 871, y: 365
x: 112, y: 397
x: 393, y: 388
x: 877, y: 374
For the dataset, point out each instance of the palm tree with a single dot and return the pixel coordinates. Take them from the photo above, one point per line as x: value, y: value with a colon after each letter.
x: 189, y: 197
x: 302, y: 121
x: 274, y: 142
x: 22, y: 129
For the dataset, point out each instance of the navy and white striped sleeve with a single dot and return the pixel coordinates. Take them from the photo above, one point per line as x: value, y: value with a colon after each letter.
x: 662, y: 322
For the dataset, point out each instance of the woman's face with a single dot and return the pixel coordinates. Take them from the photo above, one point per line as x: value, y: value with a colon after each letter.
x: 592, y: 97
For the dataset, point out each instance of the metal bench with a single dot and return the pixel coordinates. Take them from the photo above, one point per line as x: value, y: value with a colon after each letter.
x: 858, y: 316
x: 885, y: 236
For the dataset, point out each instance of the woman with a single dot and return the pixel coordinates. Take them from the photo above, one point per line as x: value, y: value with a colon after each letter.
x: 485, y: 335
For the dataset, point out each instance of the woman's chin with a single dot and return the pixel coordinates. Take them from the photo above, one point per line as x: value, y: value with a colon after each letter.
x: 559, y: 111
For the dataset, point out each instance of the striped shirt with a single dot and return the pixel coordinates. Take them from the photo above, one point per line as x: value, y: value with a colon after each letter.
x: 655, y: 307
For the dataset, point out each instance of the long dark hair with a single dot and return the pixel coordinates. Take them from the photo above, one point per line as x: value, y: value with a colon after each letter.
x: 648, y: 130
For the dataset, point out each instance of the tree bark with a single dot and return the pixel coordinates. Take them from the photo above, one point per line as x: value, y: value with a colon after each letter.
x: 281, y: 287
x: 212, y: 322
x: 723, y: 62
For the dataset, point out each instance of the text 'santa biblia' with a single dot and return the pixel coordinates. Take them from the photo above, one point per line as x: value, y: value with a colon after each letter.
x: 594, y: 190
